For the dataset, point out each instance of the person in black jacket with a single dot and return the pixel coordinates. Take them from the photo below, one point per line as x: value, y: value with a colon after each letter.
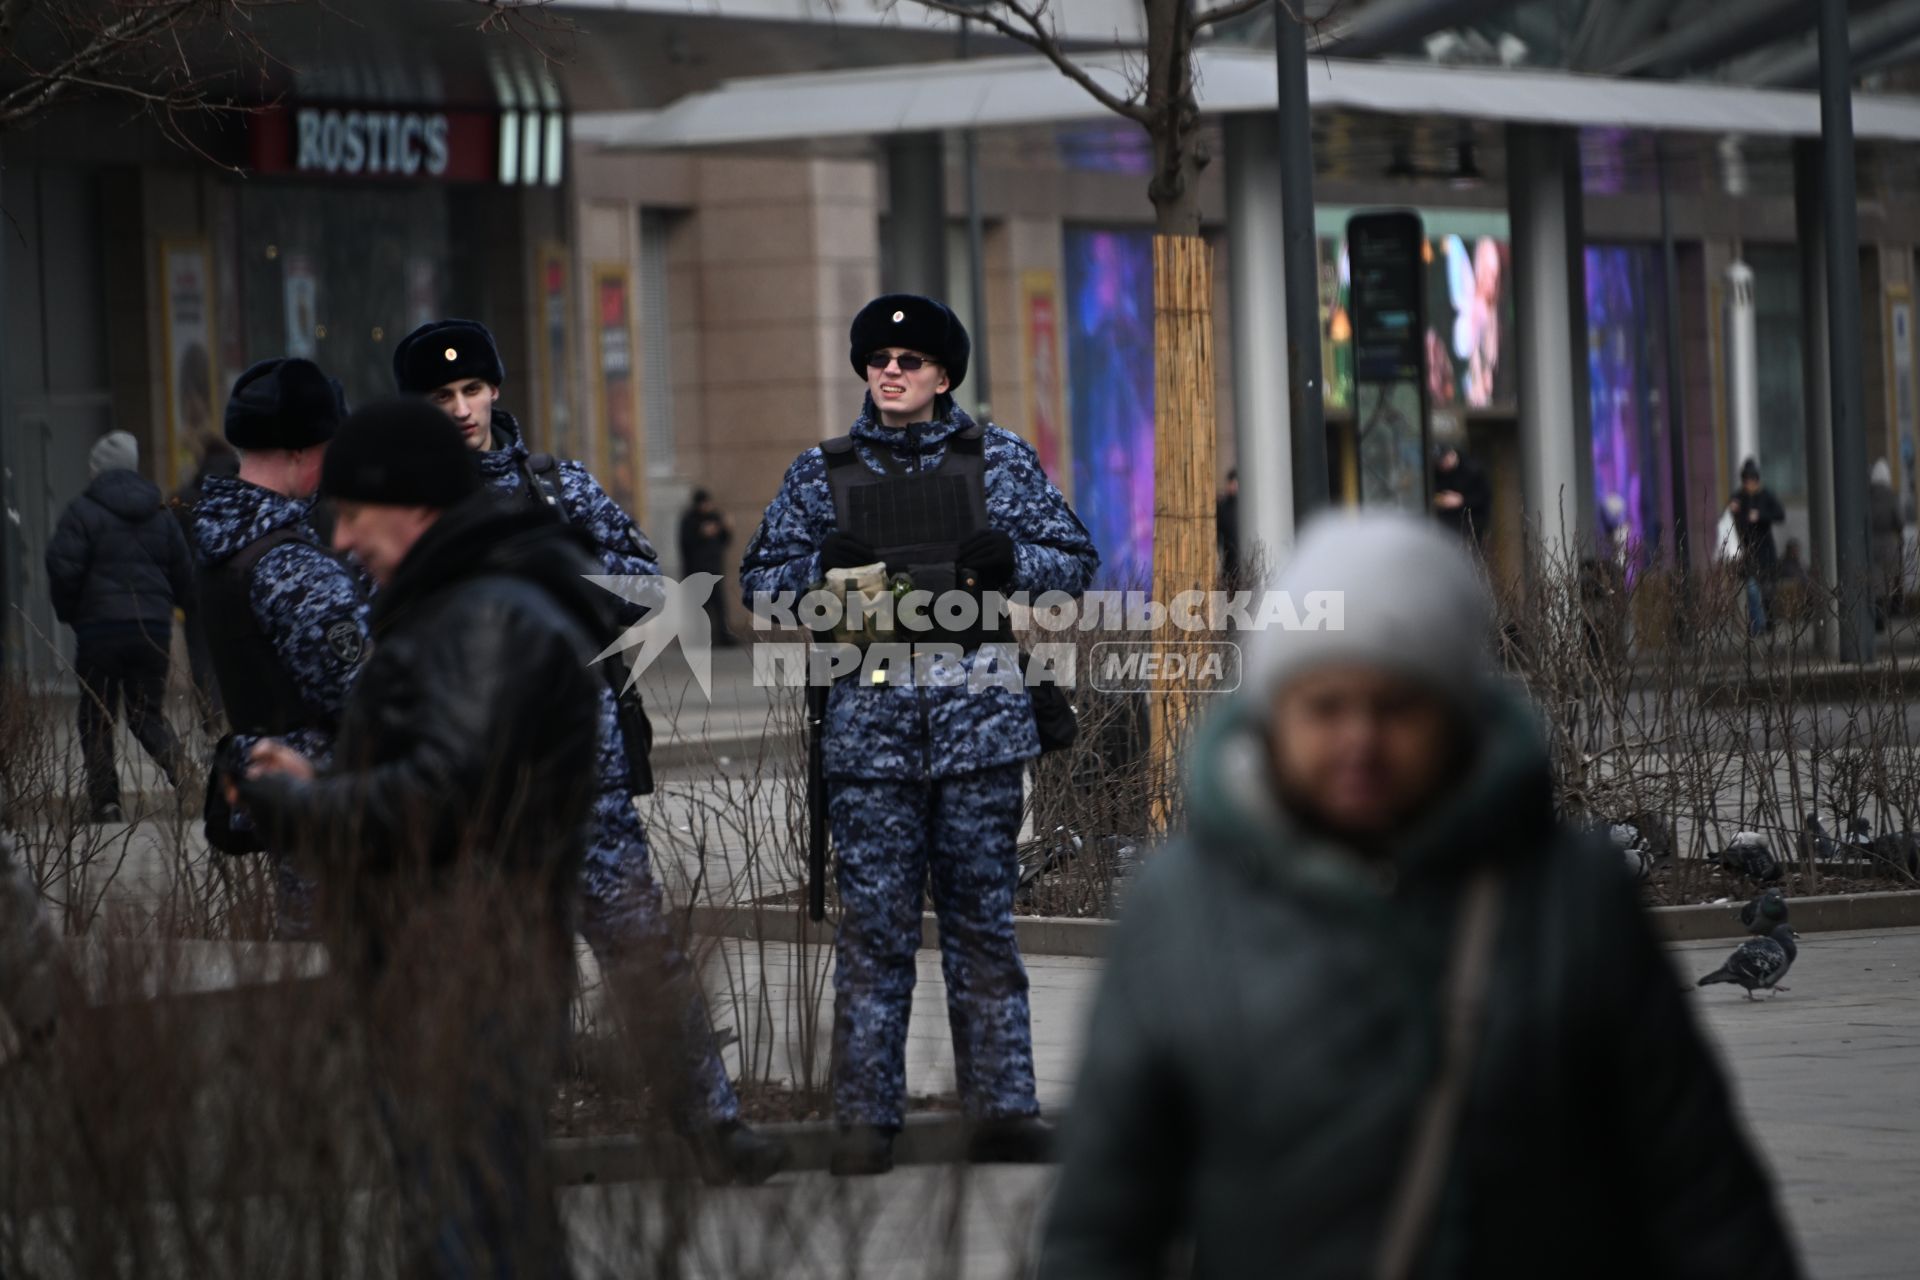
x: 705, y: 535
x: 1462, y: 498
x: 1379, y: 1013
x: 1755, y: 511
x: 450, y: 826
x: 117, y: 567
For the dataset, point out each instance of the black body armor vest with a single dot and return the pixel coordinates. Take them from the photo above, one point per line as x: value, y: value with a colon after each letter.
x: 259, y: 694
x: 914, y: 518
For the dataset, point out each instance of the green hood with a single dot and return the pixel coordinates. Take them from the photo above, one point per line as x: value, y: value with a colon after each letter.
x: 1502, y: 808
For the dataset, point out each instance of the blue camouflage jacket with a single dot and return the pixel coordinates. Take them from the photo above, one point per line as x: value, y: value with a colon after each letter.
x: 911, y: 731
x: 623, y: 549
x: 300, y: 594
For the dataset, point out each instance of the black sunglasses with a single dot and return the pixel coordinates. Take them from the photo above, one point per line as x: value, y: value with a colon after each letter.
x: 909, y: 363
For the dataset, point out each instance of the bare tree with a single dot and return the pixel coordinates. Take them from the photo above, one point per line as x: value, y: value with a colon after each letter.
x: 1159, y: 96
x: 173, y: 59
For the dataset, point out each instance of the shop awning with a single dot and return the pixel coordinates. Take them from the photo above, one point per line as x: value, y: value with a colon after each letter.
x: 1028, y: 90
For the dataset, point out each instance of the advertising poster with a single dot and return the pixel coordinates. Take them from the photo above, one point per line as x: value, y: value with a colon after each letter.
x: 302, y: 292
x: 614, y: 384
x: 1040, y: 345
x: 186, y: 290
x: 551, y: 280
x: 1109, y: 278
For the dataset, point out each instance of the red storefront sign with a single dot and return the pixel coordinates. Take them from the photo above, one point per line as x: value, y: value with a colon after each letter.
x: 408, y: 144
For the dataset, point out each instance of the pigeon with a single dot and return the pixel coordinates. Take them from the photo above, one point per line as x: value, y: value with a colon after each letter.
x: 1764, y: 913
x: 1859, y: 837
x: 1632, y: 846
x: 1748, y: 855
x: 1816, y: 843
x: 1758, y: 963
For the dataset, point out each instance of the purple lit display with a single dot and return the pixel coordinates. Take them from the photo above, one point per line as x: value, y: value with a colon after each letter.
x: 1625, y: 346
x: 1109, y: 281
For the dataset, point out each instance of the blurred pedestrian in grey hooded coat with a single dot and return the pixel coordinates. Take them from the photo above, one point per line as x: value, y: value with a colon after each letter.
x: 1379, y: 1013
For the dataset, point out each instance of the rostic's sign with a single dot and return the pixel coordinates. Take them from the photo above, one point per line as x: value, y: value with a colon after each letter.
x: 392, y: 143
x: 405, y: 144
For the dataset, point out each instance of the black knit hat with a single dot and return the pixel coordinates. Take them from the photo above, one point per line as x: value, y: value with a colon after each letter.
x: 400, y: 453
x: 284, y: 404
x: 916, y: 323
x: 444, y: 351
x: 1749, y: 470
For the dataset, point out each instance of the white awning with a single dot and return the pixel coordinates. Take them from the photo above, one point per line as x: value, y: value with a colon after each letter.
x: 1028, y: 90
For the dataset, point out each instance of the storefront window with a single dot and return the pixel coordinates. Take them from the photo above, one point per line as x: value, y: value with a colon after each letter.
x: 339, y: 275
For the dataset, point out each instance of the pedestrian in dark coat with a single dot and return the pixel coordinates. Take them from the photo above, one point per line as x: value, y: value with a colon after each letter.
x: 456, y: 366
x: 117, y: 568
x: 450, y: 827
x: 1888, y: 534
x: 1462, y: 498
x: 1755, y: 511
x: 1378, y: 1012
x: 705, y: 535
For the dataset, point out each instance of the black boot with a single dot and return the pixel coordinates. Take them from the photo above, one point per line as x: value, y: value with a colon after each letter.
x: 732, y: 1154
x: 1011, y: 1140
x: 862, y: 1150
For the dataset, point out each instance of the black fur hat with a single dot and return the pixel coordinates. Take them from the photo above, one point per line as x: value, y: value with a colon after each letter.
x: 444, y: 351
x: 285, y: 403
x: 919, y: 324
x: 400, y: 453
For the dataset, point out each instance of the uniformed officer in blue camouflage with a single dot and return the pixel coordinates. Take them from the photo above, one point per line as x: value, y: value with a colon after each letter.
x: 286, y: 620
x: 926, y: 782
x: 456, y: 365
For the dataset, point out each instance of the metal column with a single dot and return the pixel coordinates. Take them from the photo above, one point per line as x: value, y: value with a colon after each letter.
x: 1258, y: 290
x: 1306, y: 412
x: 917, y: 215
x: 1843, y: 335
x: 1549, y: 439
x: 1815, y: 374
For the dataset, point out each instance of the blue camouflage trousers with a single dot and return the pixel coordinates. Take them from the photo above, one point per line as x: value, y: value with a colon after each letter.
x: 890, y: 839
x: 624, y: 920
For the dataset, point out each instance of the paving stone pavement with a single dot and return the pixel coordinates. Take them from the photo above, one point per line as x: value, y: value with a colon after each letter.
x: 1828, y: 1076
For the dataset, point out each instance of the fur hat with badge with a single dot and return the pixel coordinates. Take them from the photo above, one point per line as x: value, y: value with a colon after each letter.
x: 443, y: 351
x: 916, y: 323
x: 400, y: 453
x: 285, y: 403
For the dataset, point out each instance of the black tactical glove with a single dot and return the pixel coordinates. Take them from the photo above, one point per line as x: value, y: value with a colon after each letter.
x: 839, y: 551
x: 989, y: 554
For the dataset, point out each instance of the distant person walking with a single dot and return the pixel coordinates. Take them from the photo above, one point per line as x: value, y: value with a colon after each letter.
x: 1226, y: 529
x: 1883, y: 520
x: 117, y: 567
x: 1755, y: 511
x: 1462, y: 498
x: 705, y: 535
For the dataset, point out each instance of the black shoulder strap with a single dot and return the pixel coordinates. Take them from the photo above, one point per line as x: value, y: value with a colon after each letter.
x: 973, y: 440
x: 248, y: 556
x: 543, y: 478
x: 838, y: 451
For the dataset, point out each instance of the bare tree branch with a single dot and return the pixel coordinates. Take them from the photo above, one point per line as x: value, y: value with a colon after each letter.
x: 1035, y: 34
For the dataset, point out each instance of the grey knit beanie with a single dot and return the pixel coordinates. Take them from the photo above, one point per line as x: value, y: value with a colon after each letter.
x: 115, y: 451
x: 1403, y: 595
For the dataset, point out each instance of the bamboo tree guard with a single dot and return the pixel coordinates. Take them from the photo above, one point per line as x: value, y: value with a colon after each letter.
x: 1183, y: 482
